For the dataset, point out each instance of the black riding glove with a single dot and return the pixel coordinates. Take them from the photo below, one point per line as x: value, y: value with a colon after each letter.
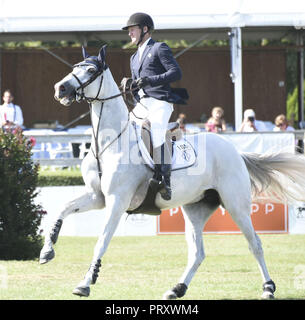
x: 140, y: 82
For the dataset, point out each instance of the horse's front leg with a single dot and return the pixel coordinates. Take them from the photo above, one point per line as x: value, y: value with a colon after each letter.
x: 86, y: 202
x: 116, y: 206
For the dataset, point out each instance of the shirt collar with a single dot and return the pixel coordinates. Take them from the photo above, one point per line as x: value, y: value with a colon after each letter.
x: 142, y: 48
x: 9, y: 105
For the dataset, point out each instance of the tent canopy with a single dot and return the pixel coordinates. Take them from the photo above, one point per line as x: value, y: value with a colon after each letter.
x: 100, y: 20
x: 192, y: 20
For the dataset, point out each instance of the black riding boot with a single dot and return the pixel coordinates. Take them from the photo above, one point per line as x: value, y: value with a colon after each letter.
x: 166, y: 191
x: 161, y: 179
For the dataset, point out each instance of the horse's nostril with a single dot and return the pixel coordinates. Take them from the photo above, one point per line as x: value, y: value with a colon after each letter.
x: 62, y: 88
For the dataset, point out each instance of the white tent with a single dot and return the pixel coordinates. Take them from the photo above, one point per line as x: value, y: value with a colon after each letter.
x: 97, y: 15
x: 191, y: 20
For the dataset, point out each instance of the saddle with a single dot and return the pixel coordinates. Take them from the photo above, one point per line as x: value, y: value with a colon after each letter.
x: 173, y: 133
x: 183, y: 156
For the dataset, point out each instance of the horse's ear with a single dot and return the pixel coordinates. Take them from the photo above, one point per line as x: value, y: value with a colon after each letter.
x: 85, y: 54
x: 102, y: 54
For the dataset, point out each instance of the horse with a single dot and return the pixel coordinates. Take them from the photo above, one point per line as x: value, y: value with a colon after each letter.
x: 116, y: 177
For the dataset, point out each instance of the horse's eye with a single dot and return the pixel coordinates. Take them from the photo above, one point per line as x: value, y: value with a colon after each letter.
x: 91, y: 70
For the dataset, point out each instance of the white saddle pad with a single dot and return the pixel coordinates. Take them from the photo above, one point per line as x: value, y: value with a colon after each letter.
x: 184, y: 155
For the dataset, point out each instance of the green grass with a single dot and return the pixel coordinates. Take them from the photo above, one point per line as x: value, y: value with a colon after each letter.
x: 59, y: 177
x: 136, y: 268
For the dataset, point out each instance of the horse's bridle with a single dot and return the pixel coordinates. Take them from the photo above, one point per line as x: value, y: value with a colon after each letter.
x: 82, y: 85
x: 126, y: 87
x: 100, y: 69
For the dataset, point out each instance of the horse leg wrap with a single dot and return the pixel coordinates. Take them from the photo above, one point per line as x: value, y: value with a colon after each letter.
x: 269, y: 286
x: 55, y: 231
x: 180, y: 290
x: 96, y: 270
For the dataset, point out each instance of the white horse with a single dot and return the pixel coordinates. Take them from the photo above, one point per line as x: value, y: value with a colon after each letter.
x: 118, y: 182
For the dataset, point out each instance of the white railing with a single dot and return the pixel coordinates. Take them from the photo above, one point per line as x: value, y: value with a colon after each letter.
x: 51, y: 145
x: 58, y: 143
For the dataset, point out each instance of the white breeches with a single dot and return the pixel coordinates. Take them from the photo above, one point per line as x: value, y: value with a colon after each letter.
x: 158, y: 113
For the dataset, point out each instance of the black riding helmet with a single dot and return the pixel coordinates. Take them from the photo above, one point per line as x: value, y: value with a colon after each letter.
x: 140, y: 19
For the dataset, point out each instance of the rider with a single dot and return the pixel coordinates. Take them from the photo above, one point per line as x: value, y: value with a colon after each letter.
x: 153, y: 67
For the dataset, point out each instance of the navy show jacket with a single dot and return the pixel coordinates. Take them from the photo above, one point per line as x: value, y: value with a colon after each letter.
x: 161, y: 68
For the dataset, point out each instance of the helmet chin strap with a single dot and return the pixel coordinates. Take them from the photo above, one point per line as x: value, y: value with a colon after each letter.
x: 141, y: 36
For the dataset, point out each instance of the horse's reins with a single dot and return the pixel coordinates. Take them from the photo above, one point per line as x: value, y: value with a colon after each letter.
x: 82, y: 96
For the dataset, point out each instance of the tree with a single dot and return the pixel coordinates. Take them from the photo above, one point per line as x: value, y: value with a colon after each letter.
x: 293, y: 105
x: 20, y: 217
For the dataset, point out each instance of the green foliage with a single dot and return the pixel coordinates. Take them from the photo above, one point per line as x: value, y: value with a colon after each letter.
x: 291, y: 71
x: 292, y: 104
x: 20, y: 217
x: 48, y: 178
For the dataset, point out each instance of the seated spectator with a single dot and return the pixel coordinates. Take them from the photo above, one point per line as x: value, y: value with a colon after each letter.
x: 10, y: 114
x: 250, y: 124
x: 216, y: 123
x: 182, y: 121
x: 281, y: 124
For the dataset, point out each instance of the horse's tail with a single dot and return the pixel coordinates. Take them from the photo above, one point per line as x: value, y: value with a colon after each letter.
x: 276, y: 176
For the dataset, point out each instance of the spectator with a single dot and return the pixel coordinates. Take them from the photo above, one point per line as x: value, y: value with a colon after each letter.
x: 281, y: 124
x: 182, y: 121
x: 250, y: 124
x: 216, y: 123
x: 10, y: 113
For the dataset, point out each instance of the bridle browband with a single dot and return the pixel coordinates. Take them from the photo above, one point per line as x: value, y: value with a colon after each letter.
x: 100, y: 68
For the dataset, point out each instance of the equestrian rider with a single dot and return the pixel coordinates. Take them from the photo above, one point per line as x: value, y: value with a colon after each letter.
x: 153, y: 68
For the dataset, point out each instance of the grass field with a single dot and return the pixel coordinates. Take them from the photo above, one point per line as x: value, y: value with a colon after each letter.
x: 136, y: 268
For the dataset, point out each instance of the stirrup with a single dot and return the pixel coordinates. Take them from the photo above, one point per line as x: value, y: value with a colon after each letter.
x: 166, y: 191
x: 162, y: 187
x: 155, y: 184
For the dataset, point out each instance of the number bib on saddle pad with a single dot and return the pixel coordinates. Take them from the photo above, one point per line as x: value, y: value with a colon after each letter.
x: 184, y: 155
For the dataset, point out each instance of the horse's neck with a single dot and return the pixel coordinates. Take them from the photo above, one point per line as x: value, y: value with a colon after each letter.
x: 113, y: 112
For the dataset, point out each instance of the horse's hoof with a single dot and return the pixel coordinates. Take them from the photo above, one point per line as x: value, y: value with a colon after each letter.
x: 178, y: 291
x: 46, y: 256
x: 169, y: 295
x: 82, y: 291
x: 269, y: 288
x: 267, y: 295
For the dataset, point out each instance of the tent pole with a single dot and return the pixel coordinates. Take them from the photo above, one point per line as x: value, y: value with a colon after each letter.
x: 236, y: 73
x: 56, y: 56
x: 0, y: 73
x: 300, y: 43
x: 178, y: 54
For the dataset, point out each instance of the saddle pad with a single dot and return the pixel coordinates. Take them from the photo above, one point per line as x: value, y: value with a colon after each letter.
x: 184, y: 154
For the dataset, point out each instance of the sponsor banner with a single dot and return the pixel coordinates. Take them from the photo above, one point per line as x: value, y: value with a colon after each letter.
x: 266, y: 218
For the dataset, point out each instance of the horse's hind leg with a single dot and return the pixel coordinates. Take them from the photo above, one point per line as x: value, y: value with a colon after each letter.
x: 255, y: 246
x: 239, y: 206
x: 195, y: 216
x: 88, y: 201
